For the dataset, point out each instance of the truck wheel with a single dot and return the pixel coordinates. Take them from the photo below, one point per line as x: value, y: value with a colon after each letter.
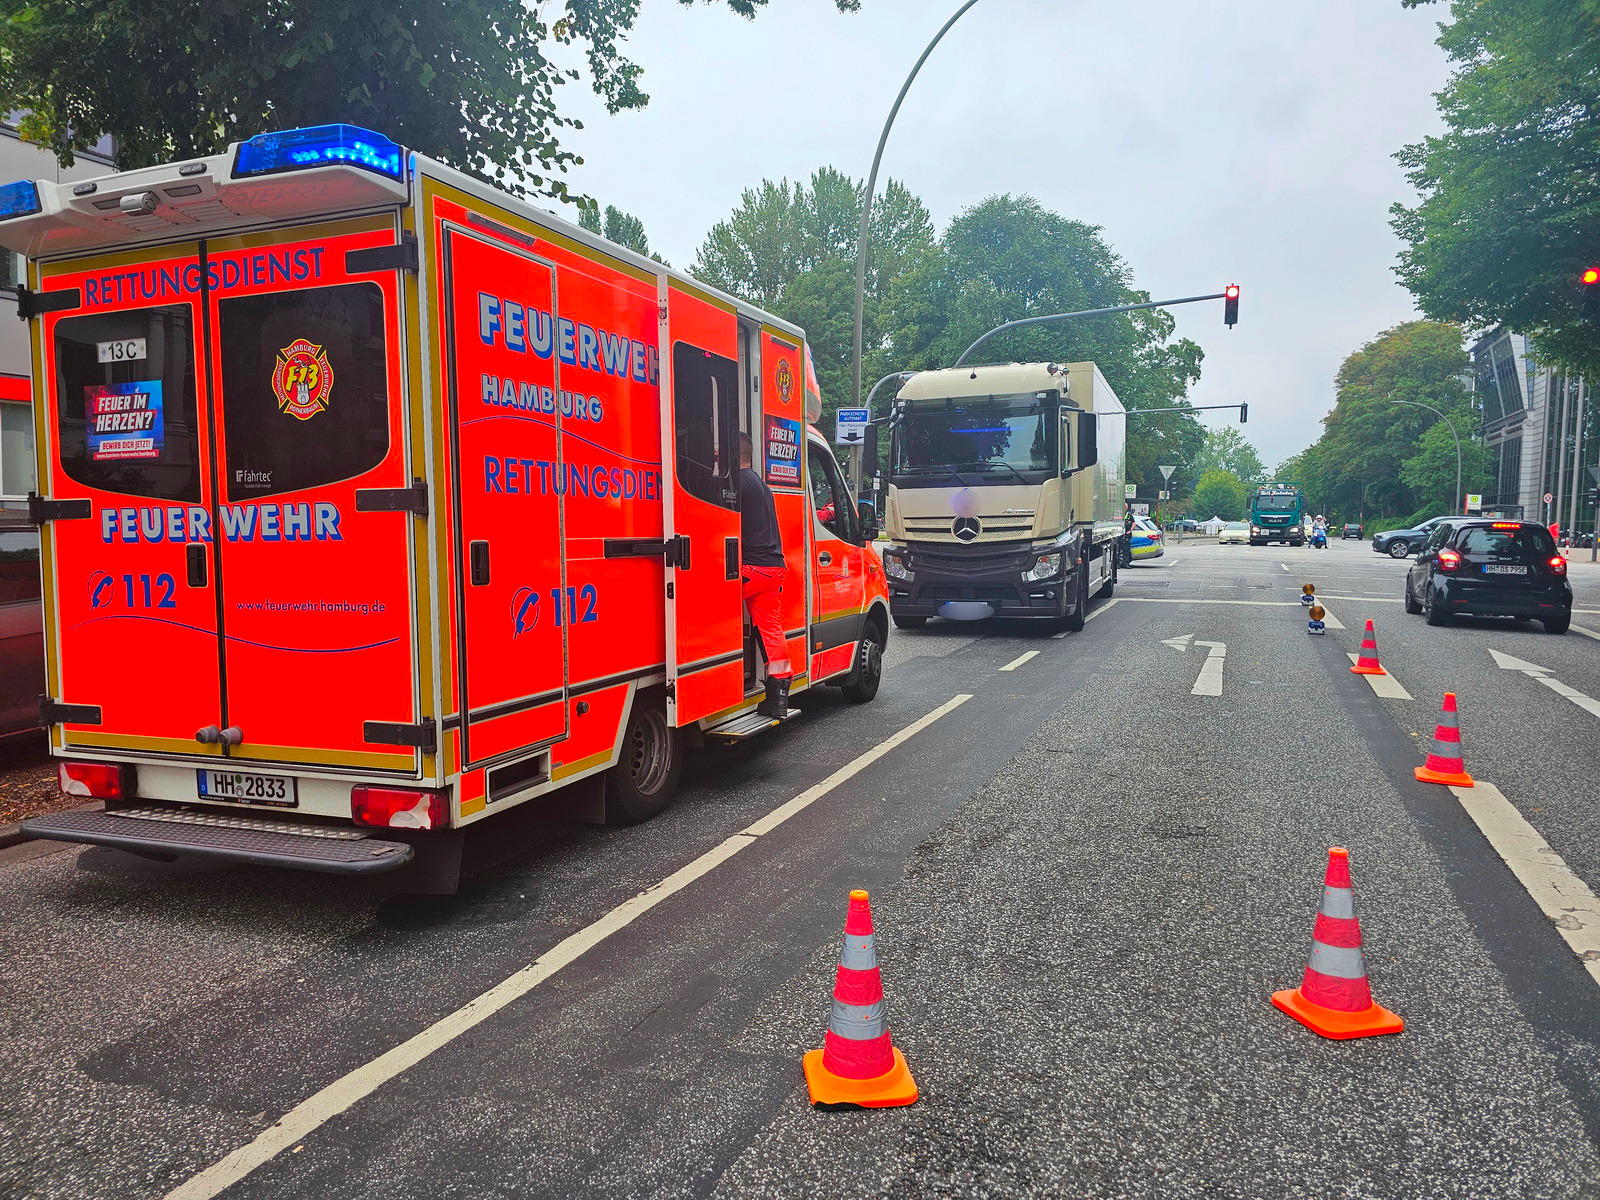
x: 864, y: 681
x: 1076, y: 621
x: 644, y: 780
x: 908, y: 622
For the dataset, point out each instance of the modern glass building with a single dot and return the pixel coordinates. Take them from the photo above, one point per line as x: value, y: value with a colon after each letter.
x: 1542, y: 428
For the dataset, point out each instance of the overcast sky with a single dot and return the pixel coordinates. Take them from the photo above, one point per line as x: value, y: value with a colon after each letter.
x: 1247, y: 142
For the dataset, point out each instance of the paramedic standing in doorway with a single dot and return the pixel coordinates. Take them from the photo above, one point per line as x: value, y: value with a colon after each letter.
x: 762, y: 571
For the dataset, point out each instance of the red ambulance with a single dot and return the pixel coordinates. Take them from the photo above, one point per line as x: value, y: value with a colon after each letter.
x: 376, y: 501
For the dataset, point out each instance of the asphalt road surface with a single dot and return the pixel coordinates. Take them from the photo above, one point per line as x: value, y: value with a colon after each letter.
x: 1087, y: 878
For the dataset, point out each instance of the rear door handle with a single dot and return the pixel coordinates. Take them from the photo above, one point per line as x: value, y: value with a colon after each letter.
x: 479, y: 553
x: 195, y: 556
x: 824, y: 558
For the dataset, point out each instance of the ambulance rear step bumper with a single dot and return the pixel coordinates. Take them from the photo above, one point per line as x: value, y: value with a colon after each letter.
x: 333, y: 851
x: 736, y: 729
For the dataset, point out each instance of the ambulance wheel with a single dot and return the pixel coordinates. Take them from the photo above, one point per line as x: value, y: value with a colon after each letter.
x: 909, y: 622
x: 864, y: 680
x: 643, y: 782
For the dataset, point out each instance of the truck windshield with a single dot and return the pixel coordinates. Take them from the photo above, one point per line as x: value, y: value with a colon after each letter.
x: 1000, y: 439
x: 1277, y: 502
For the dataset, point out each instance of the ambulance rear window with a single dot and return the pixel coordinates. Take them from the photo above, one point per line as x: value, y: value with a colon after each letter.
x: 305, y: 389
x: 125, y: 402
x: 705, y: 401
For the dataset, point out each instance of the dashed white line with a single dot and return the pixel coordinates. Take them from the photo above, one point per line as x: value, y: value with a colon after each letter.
x: 1019, y: 660
x: 1569, y: 903
x: 1386, y: 686
x: 1108, y: 604
x: 316, y: 1110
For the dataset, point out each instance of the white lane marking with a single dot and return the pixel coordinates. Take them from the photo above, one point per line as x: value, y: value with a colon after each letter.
x: 1368, y: 599
x: 1569, y: 903
x: 1181, y: 642
x: 1589, y: 633
x: 1331, y: 621
x: 1507, y: 662
x: 321, y: 1107
x: 1209, y: 682
x: 1386, y: 686
x: 1285, y: 566
x: 1019, y: 660
x: 1095, y: 613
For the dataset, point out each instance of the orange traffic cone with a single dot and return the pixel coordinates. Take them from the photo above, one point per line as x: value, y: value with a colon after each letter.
x: 857, y: 1063
x: 1367, y: 661
x: 1444, y: 763
x: 1333, y: 999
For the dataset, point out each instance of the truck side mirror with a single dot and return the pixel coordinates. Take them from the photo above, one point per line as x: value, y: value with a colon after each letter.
x: 867, y: 515
x: 1088, y: 440
x: 1066, y: 441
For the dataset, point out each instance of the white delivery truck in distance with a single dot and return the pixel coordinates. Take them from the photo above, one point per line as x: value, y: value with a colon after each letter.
x: 1005, y: 493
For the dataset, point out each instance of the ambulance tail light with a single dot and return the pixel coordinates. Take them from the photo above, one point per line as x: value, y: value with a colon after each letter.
x: 399, y: 808
x: 20, y: 199
x: 319, y: 146
x: 96, y: 781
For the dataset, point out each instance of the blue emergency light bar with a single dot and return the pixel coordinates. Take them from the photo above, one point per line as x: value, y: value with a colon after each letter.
x: 319, y: 146
x: 18, y: 199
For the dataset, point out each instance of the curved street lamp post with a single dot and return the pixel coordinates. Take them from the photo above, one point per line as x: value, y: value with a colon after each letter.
x: 1457, y: 500
x: 866, y: 225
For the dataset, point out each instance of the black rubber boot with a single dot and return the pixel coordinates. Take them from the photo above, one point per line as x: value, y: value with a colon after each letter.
x: 776, y: 705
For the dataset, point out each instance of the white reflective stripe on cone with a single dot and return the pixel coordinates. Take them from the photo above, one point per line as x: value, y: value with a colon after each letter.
x: 1338, y: 902
x: 859, y: 1022
x: 860, y: 952
x: 1342, y: 962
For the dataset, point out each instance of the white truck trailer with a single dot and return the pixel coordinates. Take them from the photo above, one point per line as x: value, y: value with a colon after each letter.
x: 1005, y: 493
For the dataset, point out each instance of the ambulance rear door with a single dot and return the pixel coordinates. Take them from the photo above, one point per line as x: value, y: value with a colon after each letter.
x: 700, y: 464
x: 131, y: 603
x: 317, y: 507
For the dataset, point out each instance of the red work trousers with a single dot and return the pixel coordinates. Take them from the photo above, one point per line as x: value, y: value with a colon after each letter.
x: 762, y: 587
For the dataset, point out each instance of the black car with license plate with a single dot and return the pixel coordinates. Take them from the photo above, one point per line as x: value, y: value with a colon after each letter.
x: 1490, y: 568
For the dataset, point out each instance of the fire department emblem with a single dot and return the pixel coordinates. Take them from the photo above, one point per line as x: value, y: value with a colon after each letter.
x: 785, y: 378
x: 302, y: 379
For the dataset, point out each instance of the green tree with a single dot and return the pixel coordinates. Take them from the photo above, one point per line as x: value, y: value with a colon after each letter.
x: 1355, y: 466
x: 1009, y: 257
x: 1226, y: 449
x: 470, y: 82
x: 791, y: 248
x: 1510, y: 208
x: 1430, y: 473
x: 1219, y: 493
x: 624, y: 229
x: 1289, y: 470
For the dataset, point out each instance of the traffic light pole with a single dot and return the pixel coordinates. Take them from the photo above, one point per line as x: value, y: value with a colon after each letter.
x: 1231, y: 294
x: 1459, y: 499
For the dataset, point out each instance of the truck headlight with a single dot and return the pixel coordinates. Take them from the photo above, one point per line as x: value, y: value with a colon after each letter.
x: 897, y: 566
x: 1255, y: 529
x: 1047, y: 566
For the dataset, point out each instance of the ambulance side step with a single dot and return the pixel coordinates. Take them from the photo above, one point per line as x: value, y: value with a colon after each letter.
x: 332, y: 850
x: 746, y: 725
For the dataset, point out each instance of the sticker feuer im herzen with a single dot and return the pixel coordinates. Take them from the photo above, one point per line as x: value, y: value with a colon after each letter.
x: 302, y: 379
x: 124, y: 420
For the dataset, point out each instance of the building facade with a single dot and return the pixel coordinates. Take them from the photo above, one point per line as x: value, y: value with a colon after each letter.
x: 21, y: 160
x: 1542, y: 429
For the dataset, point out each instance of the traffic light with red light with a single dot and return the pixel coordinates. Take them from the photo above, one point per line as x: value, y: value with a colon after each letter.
x: 1230, y: 305
x: 1589, y: 301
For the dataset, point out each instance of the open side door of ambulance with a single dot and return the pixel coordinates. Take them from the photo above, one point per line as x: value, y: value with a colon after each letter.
x: 232, y: 517
x: 700, y: 465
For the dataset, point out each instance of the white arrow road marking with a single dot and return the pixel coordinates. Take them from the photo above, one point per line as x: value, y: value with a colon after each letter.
x: 1533, y: 671
x: 1507, y: 663
x: 1386, y: 686
x: 1569, y: 903
x: 1210, y: 681
x: 1181, y: 642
